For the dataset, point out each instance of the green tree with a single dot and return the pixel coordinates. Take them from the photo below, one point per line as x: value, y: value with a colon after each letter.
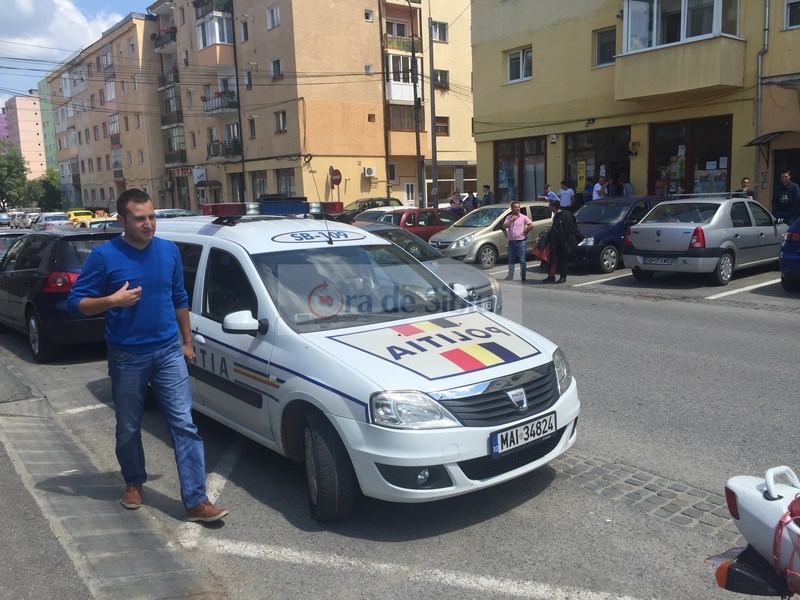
x: 43, y: 192
x: 12, y: 175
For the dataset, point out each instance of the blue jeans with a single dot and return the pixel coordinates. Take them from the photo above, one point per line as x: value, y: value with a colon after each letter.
x: 516, y: 253
x: 166, y: 371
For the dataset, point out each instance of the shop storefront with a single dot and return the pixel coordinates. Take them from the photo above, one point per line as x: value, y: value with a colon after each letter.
x: 520, y: 169
x: 690, y: 156
x: 598, y: 153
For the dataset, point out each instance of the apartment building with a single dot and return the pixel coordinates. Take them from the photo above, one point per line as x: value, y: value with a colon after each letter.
x: 310, y: 98
x: 48, y: 126
x: 677, y: 95
x: 24, y: 123
x: 107, y: 117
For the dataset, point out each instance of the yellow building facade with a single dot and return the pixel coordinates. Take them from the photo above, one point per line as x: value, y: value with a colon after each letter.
x: 286, y: 97
x: 678, y: 96
x: 24, y: 121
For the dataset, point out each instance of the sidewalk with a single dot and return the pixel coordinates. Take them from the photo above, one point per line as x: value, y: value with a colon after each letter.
x: 33, y: 564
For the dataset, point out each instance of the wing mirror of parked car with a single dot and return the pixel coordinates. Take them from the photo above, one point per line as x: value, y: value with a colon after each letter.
x: 242, y: 321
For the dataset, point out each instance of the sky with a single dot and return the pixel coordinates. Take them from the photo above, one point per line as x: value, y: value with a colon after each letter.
x: 37, y: 35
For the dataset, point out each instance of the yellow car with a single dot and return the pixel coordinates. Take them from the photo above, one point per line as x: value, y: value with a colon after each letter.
x: 79, y: 214
x: 97, y: 223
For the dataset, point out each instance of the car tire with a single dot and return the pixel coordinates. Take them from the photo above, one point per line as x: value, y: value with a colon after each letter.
x: 724, y: 269
x: 641, y: 275
x: 486, y: 256
x: 790, y: 285
x: 40, y: 345
x: 609, y: 259
x: 329, y: 473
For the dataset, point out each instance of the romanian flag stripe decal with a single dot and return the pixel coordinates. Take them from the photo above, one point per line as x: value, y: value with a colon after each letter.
x: 257, y: 376
x: 463, y: 360
x: 479, y: 356
x: 423, y: 326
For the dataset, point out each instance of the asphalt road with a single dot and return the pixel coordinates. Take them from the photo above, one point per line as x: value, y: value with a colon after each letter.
x: 679, y: 391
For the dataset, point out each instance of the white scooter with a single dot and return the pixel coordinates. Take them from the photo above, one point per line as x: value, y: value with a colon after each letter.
x: 767, y: 514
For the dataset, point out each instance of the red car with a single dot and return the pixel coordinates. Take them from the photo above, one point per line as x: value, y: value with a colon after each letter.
x: 423, y: 222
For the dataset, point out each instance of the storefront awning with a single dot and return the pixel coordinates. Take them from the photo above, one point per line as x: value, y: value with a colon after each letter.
x: 208, y: 183
x: 766, y: 138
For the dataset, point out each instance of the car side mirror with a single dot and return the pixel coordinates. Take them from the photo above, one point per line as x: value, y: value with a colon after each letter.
x: 242, y: 321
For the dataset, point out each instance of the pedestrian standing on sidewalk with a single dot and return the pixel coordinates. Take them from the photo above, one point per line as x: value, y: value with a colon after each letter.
x: 563, y: 242
x: 516, y: 227
x: 137, y: 281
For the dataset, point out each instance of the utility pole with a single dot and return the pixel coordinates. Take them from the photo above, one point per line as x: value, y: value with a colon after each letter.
x: 417, y: 108
x: 434, y: 168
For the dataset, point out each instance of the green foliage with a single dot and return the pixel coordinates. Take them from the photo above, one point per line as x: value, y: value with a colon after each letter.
x: 44, y: 192
x: 12, y: 175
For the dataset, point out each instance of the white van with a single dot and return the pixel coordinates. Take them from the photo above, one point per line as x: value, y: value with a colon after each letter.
x: 336, y: 348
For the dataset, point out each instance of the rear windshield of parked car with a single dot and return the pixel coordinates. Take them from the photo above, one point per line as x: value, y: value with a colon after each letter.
x: 601, y: 213
x: 75, y: 252
x: 682, y: 212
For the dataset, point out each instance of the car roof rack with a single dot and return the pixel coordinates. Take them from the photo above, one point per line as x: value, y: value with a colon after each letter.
x: 708, y: 196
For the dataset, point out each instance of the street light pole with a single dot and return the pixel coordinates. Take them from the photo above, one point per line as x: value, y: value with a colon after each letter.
x: 417, y: 109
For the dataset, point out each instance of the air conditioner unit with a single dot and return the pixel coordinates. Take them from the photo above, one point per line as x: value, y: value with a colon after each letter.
x: 370, y: 172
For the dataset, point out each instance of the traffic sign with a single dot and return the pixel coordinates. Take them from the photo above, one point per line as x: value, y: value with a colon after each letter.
x: 336, y: 177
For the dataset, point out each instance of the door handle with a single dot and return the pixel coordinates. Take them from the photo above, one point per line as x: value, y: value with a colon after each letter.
x: 199, y: 338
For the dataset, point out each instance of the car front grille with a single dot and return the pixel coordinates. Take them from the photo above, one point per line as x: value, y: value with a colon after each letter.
x: 439, y: 245
x: 496, y: 407
x: 485, y: 467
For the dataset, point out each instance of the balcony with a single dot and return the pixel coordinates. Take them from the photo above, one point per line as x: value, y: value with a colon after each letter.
x: 223, y: 150
x: 115, y: 140
x: 172, y: 118
x: 76, y: 179
x: 109, y: 72
x: 400, y: 91
x: 224, y: 102
x: 165, y: 41
x: 172, y: 157
x: 706, y: 65
x: 405, y: 44
x: 118, y: 175
x: 167, y: 79
x: 204, y: 7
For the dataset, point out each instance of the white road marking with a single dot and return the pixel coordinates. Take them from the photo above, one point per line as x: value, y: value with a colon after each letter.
x: 601, y: 280
x: 458, y: 579
x: 744, y: 289
x: 80, y: 409
x: 189, y: 533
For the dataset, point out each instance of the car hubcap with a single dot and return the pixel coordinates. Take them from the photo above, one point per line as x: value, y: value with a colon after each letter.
x: 609, y: 259
x: 33, y: 335
x: 487, y: 258
x: 725, y: 268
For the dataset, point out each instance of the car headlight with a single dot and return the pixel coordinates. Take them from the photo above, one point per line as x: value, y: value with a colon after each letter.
x: 562, y: 370
x: 587, y: 241
x: 464, y: 241
x: 495, y: 286
x: 409, y: 410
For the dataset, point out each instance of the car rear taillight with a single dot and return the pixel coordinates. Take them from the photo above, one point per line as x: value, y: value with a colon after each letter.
x: 59, y: 282
x: 792, y: 236
x: 698, y: 238
x: 730, y: 498
x: 628, y: 242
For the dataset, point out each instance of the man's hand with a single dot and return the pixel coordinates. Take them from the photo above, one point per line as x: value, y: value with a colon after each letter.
x: 188, y: 351
x: 126, y: 296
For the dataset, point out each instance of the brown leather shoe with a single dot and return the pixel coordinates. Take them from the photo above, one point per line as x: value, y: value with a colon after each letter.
x: 205, y: 512
x: 132, y: 497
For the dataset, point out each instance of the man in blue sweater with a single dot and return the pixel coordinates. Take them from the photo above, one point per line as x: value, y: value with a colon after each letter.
x: 137, y: 281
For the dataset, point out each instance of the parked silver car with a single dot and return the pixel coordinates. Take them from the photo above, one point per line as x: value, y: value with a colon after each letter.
x: 715, y: 234
x: 478, y: 237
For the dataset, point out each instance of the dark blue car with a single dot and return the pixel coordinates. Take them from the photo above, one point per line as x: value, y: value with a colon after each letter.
x: 602, y: 223
x: 789, y: 258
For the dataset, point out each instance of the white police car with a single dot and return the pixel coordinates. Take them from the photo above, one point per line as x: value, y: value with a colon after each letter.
x: 336, y: 348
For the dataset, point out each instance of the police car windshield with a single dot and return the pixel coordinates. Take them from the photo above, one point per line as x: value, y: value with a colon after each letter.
x: 333, y: 287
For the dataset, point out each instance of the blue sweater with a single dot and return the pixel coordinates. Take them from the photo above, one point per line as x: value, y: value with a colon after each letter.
x: 149, y: 324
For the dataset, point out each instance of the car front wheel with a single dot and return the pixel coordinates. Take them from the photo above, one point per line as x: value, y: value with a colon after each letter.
x: 329, y: 473
x: 41, y: 347
x: 609, y: 259
x: 487, y: 256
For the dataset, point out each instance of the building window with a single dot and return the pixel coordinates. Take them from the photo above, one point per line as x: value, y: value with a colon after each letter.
x: 391, y: 172
x: 276, y: 69
x: 442, y: 125
x: 441, y: 79
x: 122, y: 87
x: 402, y: 117
x: 244, y: 33
x: 369, y: 16
x: 397, y: 29
x: 86, y: 135
x: 110, y: 92
x: 605, y: 46
x: 94, y: 196
x: 520, y: 168
x: 105, y: 130
x: 280, y: 122
x: 251, y: 122
x: 127, y: 127
x: 792, y: 13
x: 193, y: 139
x: 248, y: 80
x: 138, y: 120
x: 285, y: 181
x: 216, y: 30
x: 102, y: 97
x: 259, y: 179
x: 520, y: 64
x: 108, y: 162
x: 141, y: 157
x: 135, y: 82
x: 130, y: 158
x: 96, y: 132
x: 131, y: 48
x: 113, y: 124
x: 439, y: 31
x: 273, y: 17
x: 92, y: 101
x: 99, y: 164
x: 652, y: 23
x: 102, y: 194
